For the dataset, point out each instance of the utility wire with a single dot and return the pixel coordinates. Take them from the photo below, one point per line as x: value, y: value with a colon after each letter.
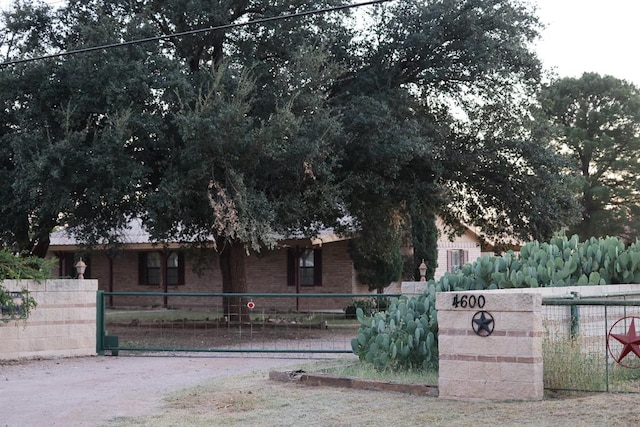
x: 191, y: 32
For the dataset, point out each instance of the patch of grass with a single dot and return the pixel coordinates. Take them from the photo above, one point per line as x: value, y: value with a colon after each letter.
x: 567, y: 366
x: 333, y: 320
x: 625, y: 378
x: 357, y: 369
x: 159, y: 315
x: 252, y: 400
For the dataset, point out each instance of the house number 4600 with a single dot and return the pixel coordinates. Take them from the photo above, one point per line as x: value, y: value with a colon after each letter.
x: 470, y: 301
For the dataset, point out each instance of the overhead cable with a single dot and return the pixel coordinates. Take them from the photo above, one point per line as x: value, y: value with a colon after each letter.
x: 191, y: 32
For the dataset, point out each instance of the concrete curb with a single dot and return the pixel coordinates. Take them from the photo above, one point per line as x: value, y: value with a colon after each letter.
x: 327, y: 380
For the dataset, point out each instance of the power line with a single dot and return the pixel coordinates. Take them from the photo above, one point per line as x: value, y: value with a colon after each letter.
x: 191, y: 32
x: 48, y: 3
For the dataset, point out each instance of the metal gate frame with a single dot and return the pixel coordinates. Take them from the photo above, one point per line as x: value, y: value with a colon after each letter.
x: 105, y: 342
x: 605, y: 301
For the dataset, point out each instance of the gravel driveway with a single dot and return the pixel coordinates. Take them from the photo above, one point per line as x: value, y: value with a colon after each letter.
x: 90, y: 391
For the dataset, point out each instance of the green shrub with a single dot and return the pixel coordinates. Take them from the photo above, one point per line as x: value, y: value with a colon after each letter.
x: 14, y: 267
x: 368, y: 306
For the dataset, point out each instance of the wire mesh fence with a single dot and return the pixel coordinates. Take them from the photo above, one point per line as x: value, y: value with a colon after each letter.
x: 217, y: 322
x: 591, y: 344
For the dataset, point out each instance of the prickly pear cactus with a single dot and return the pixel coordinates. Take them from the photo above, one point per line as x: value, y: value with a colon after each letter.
x: 405, y: 336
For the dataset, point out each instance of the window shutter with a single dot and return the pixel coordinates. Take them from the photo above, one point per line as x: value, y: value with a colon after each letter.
x: 181, y: 268
x: 465, y: 257
x: 291, y: 267
x: 142, y: 268
x: 317, y: 267
x: 449, y: 261
x: 69, y: 268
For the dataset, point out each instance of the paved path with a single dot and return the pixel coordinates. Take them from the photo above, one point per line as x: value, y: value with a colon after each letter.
x: 90, y: 391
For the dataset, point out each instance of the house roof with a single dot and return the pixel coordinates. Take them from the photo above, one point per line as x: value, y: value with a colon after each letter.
x: 134, y: 233
x: 488, y: 244
x: 136, y: 236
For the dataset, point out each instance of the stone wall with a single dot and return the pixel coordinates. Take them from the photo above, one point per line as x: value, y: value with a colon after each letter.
x: 63, y: 324
x: 490, y: 346
x: 506, y: 364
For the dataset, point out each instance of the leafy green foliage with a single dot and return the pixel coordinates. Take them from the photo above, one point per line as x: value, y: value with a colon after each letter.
x: 375, y: 252
x: 425, y: 244
x: 14, y: 267
x: 367, y: 305
x: 420, y: 136
x: 560, y: 262
x: 597, y: 122
x: 75, y: 131
x: 248, y: 134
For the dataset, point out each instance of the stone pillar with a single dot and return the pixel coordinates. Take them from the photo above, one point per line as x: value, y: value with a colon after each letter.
x: 63, y: 324
x: 490, y: 346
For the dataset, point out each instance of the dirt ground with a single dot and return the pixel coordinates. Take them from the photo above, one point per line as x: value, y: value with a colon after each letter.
x: 215, y: 390
x: 91, y: 391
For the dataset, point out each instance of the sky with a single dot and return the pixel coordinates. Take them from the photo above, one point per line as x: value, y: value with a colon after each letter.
x: 591, y: 36
x: 581, y: 36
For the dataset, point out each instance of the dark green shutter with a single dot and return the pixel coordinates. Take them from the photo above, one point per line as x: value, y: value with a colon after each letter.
x: 142, y: 268
x: 317, y: 267
x: 291, y: 267
x: 181, y: 268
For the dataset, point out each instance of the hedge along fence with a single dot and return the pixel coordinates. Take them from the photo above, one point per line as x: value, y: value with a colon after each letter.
x: 405, y: 337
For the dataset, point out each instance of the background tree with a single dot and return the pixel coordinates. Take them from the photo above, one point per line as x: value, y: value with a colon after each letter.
x: 252, y: 131
x: 424, y: 243
x: 598, y: 125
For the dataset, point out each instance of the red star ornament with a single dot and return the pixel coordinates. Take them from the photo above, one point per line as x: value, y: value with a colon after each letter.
x: 630, y: 341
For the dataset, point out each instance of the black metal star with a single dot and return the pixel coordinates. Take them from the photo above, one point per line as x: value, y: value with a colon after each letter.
x: 482, y: 323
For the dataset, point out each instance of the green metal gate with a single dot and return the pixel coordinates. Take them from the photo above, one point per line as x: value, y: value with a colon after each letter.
x: 589, y: 343
x: 148, y: 322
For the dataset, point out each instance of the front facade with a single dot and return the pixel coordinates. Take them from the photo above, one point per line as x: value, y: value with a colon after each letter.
x: 298, y: 266
x: 301, y: 266
x: 453, y: 254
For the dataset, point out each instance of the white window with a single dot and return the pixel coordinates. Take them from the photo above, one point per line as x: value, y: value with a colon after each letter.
x: 151, y: 269
x: 154, y: 263
x: 456, y: 258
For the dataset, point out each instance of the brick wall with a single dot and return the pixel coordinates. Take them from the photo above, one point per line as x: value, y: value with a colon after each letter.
x: 266, y: 273
x: 62, y: 325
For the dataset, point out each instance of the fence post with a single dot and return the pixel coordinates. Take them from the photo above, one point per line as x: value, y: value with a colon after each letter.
x: 490, y: 346
x: 100, y: 322
x: 574, y: 331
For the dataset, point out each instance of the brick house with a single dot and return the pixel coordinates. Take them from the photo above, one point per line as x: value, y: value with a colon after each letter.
x: 466, y: 248
x: 302, y: 266
x: 316, y: 265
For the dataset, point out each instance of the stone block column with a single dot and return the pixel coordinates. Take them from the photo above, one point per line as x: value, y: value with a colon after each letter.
x: 63, y: 324
x: 490, y: 346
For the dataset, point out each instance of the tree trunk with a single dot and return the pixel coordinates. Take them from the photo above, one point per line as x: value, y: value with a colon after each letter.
x: 234, y: 280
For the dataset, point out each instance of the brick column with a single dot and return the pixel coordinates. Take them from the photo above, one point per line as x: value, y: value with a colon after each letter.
x: 490, y: 345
